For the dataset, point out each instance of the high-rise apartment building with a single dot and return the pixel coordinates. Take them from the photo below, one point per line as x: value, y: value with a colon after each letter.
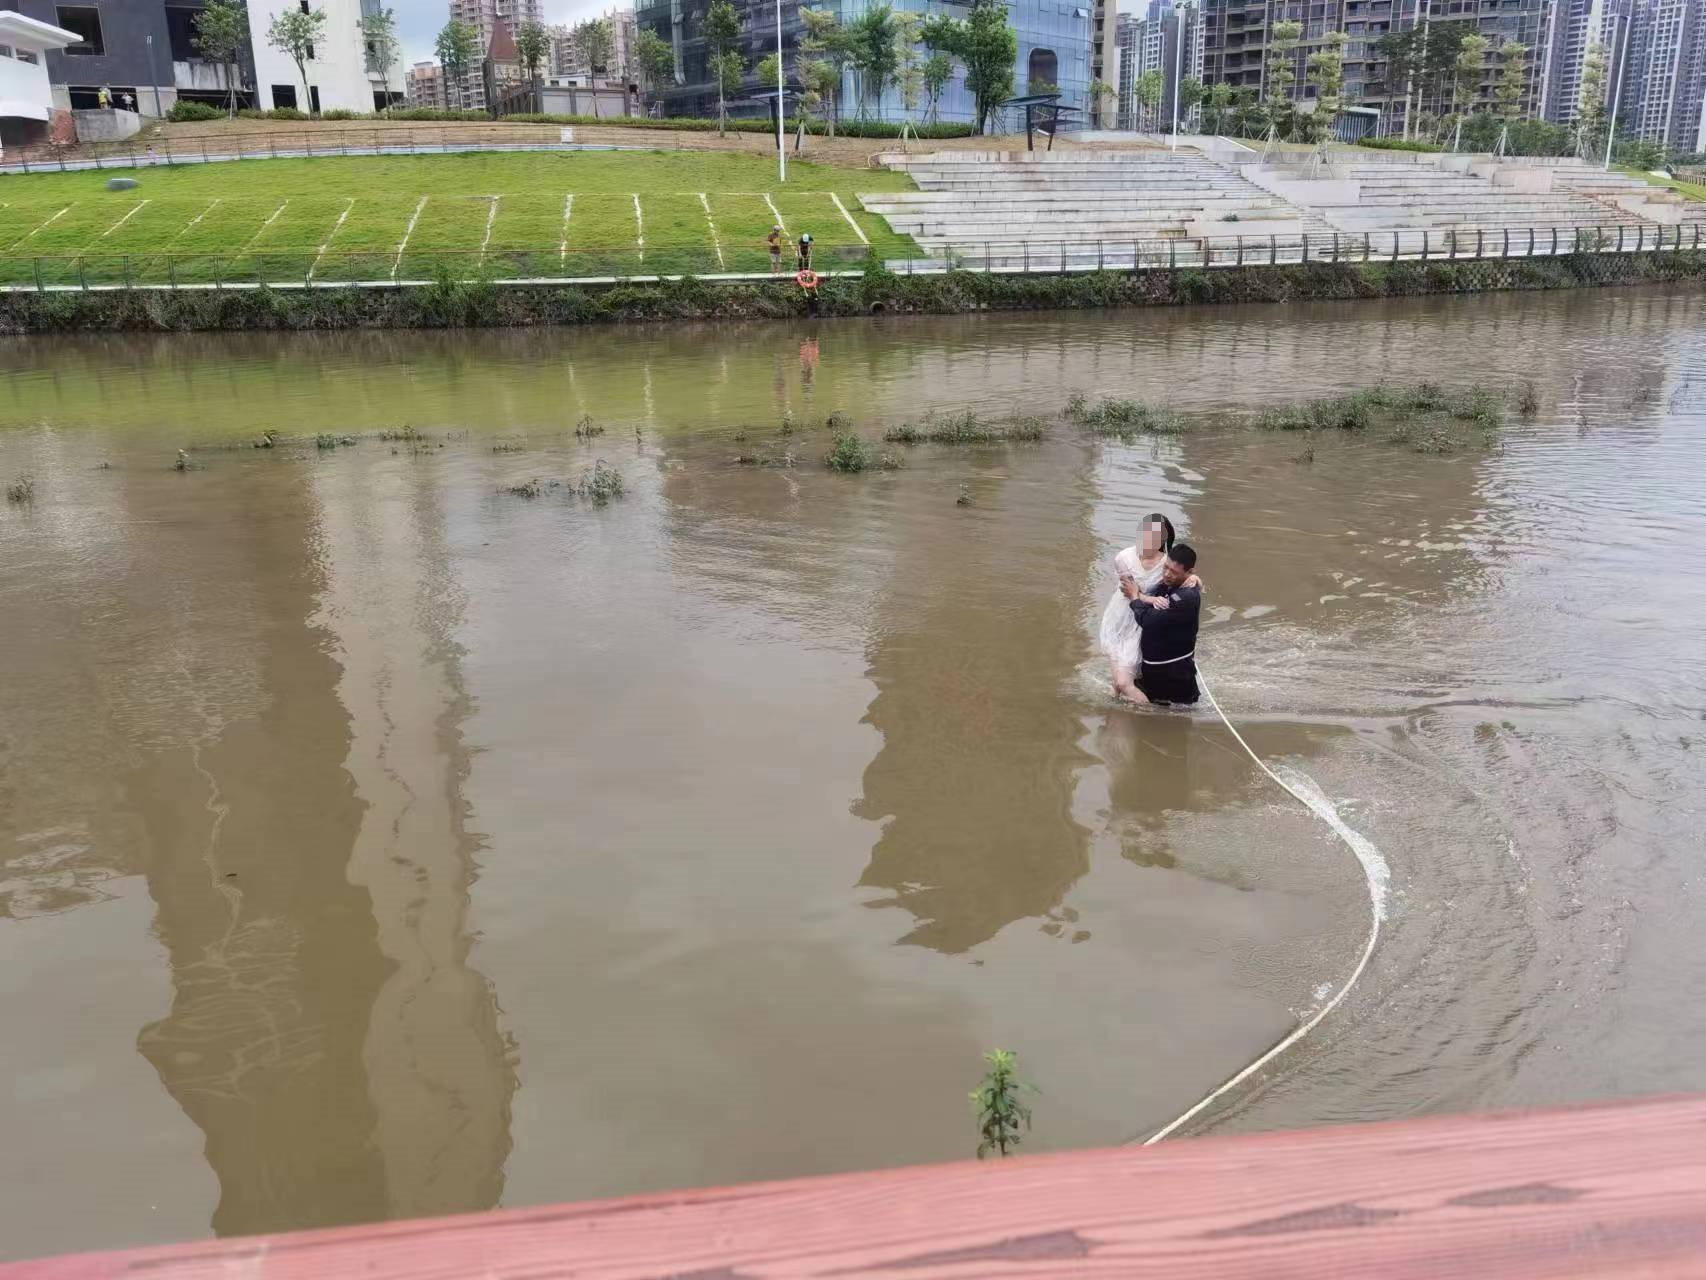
x: 469, y: 91
x: 569, y: 60
x: 1663, y: 80
x: 1165, y: 38
x: 1104, y: 36
x: 425, y: 85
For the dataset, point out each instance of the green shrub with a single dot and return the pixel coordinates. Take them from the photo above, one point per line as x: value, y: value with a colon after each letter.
x: 340, y: 113
x: 287, y: 113
x: 1399, y: 144
x: 183, y: 110
x: 847, y: 452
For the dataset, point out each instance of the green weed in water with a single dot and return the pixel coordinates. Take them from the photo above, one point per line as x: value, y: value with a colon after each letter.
x: 1123, y: 419
x: 22, y: 490
x: 847, y: 452
x: 508, y: 446
x: 1528, y: 403
x: 325, y: 440
x: 965, y: 428
x: 1000, y: 1113
x: 401, y: 433
x: 586, y: 428
x: 602, y: 483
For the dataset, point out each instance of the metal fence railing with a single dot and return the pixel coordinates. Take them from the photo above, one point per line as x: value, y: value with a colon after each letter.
x: 397, y: 139
x: 311, y: 269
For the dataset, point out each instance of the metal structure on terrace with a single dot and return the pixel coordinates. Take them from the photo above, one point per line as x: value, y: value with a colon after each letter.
x: 561, y: 265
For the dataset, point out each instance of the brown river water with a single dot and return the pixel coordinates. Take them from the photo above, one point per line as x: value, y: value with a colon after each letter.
x: 374, y: 843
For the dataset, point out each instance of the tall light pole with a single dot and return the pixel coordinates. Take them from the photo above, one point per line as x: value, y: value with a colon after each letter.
x: 154, y: 72
x: 1616, y: 93
x: 781, y: 101
x: 1178, y: 66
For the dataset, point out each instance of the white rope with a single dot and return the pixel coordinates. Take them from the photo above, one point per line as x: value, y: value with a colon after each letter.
x: 1374, y: 869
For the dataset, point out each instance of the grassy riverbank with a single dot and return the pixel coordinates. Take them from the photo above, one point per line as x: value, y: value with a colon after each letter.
x: 388, y: 217
x: 474, y: 305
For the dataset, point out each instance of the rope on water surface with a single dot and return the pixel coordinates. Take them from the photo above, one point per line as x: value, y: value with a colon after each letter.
x: 1315, y: 1019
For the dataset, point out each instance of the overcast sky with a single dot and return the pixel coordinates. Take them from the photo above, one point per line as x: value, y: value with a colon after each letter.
x: 419, y: 21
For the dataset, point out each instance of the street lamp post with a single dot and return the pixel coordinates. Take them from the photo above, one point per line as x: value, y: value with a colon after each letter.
x: 154, y: 70
x: 781, y: 100
x: 1616, y: 94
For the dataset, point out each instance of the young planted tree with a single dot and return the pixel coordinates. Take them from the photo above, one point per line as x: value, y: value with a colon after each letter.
x: 820, y: 83
x: 1441, y: 45
x: 656, y: 61
x: 1147, y: 90
x: 830, y: 48
x: 937, y: 70
x: 1512, y: 87
x: 1326, y: 67
x: 596, y: 40
x: 1217, y: 110
x: 1101, y: 93
x: 908, y: 69
x: 722, y: 30
x: 1471, y: 66
x: 874, y: 56
x: 1590, y: 113
x: 457, y: 45
x: 383, y: 49
x: 1282, y: 50
x: 294, y: 33
x: 985, y: 45
x: 1000, y: 1113
x: 1399, y: 50
x: 1191, y: 92
x: 532, y: 46
x: 221, y: 35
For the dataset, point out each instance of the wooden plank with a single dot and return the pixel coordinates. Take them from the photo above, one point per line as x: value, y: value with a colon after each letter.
x: 1613, y: 1190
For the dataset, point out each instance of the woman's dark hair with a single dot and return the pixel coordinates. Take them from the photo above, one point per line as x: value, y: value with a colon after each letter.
x: 1166, y: 529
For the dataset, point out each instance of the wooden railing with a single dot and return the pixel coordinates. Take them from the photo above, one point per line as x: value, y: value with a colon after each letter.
x: 1605, y: 1191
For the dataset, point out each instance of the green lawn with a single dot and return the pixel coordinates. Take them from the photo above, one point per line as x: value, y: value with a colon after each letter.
x: 342, y: 218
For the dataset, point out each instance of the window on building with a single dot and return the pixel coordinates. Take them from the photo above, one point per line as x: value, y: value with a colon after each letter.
x: 5, y: 51
x: 84, y: 97
x: 314, y: 98
x: 180, y: 32
x: 284, y: 95
x: 85, y: 20
x: 1044, y: 68
x: 304, y: 4
x: 27, y: 55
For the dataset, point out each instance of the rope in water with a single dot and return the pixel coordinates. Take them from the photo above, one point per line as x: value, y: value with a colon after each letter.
x: 1315, y: 1019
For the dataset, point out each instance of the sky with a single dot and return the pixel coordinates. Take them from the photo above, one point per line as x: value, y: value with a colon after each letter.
x: 419, y: 21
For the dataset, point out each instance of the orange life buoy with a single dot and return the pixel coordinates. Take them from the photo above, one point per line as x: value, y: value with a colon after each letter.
x: 807, y: 279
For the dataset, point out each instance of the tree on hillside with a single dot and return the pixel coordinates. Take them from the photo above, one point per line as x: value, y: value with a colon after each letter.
x: 532, y: 46
x: 937, y: 70
x: 383, y: 49
x: 1471, y: 66
x: 721, y: 30
x: 457, y: 45
x: 829, y: 47
x: 1512, y: 86
x: 294, y: 33
x: 1591, y: 113
x: 221, y: 35
x: 1326, y: 67
x: 1147, y: 90
x: 656, y: 59
x: 985, y: 45
x: 874, y: 55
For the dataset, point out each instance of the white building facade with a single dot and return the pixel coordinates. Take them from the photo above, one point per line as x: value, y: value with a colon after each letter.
x: 343, y: 74
x: 26, y: 96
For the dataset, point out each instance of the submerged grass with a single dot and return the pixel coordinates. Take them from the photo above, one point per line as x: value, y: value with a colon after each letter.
x: 22, y: 490
x: 849, y: 452
x: 1419, y: 415
x: 967, y: 428
x: 602, y: 483
x: 1123, y: 419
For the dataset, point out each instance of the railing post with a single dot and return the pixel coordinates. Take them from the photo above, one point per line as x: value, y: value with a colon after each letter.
x: 1478, y: 241
x: 1367, y: 245
x: 125, y: 268
x: 1506, y: 251
x: 1554, y: 242
x: 171, y: 271
x: 1530, y: 242
x: 40, y: 287
x: 272, y: 145
x: 1025, y: 256
x: 1172, y: 253
x: 1273, y: 249
x: 988, y: 261
x: 1240, y: 250
x: 1335, y: 248
x: 1394, y: 246
x: 218, y: 273
x: 1305, y: 258
x: 1424, y: 246
x: 1696, y: 244
x: 1101, y: 261
x: 1619, y: 237
x: 81, y: 278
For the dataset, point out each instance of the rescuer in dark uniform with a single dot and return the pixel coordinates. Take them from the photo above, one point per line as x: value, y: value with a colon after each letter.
x: 1168, y: 623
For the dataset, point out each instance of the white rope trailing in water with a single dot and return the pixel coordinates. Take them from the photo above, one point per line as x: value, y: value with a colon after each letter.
x: 1374, y: 871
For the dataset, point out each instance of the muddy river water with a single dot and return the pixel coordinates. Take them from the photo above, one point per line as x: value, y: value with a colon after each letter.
x: 376, y: 843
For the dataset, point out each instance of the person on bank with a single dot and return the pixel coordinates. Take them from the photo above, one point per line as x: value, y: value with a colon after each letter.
x: 774, y: 241
x: 1167, y: 620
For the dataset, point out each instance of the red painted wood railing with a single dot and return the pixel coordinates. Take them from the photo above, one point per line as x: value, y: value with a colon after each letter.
x: 1614, y: 1190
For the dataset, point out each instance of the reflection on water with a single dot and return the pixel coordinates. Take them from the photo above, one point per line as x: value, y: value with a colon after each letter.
x: 437, y: 848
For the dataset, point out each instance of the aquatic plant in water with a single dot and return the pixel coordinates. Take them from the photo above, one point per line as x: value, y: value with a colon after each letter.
x: 602, y: 483
x: 21, y: 490
x: 1000, y: 1113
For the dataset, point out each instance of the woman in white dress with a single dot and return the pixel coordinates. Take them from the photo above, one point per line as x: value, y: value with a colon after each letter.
x: 1142, y: 563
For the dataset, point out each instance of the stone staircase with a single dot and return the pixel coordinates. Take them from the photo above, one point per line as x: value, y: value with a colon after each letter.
x: 1081, y: 208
